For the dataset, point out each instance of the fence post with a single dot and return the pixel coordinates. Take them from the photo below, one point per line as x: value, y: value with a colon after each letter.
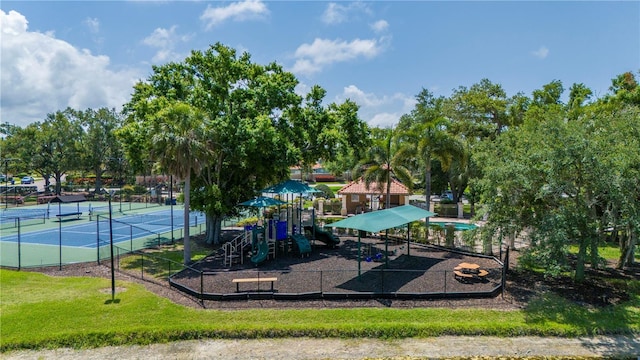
x: 19, y: 246
x: 142, y: 264
x: 201, y: 284
x: 97, y: 235
x: 445, y: 281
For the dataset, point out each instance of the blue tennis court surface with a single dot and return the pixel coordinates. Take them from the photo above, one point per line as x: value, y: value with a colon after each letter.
x: 90, y: 234
x: 35, y: 236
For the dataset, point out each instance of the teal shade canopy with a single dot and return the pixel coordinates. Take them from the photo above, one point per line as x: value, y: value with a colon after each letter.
x: 384, y: 219
x: 262, y: 201
x: 290, y: 187
x: 458, y: 225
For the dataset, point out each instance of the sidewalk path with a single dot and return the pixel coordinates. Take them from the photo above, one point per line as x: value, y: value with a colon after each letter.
x: 315, y: 349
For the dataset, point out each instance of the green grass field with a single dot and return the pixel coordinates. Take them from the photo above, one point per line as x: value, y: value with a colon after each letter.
x: 39, y: 311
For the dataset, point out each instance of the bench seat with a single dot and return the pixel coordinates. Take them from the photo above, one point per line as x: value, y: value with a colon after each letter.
x: 258, y: 280
x: 63, y: 215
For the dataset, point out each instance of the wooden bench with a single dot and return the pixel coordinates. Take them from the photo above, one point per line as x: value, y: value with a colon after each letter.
x: 63, y: 215
x: 482, y: 273
x: 461, y: 275
x: 258, y: 280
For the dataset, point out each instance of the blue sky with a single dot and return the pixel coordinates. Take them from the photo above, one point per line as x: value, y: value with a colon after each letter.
x: 88, y: 54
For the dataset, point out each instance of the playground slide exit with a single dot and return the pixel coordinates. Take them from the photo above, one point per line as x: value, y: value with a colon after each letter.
x: 323, y: 235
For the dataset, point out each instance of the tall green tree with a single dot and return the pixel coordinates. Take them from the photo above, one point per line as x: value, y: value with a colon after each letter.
x: 99, y: 142
x: 242, y: 108
x: 179, y: 145
x: 425, y: 131
x: 55, y: 145
x: 563, y: 182
x: 385, y: 160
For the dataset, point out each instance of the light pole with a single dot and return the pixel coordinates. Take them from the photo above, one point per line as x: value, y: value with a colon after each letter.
x: 6, y: 180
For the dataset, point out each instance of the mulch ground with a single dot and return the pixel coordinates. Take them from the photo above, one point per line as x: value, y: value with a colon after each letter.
x: 419, y: 269
x: 432, y: 273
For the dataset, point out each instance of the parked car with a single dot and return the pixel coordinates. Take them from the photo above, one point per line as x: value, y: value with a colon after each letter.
x: 447, y: 195
x: 27, y: 180
x: 3, y: 178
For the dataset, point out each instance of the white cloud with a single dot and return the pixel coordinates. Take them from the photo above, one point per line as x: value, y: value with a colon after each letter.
x: 238, y: 11
x: 93, y: 24
x: 41, y: 75
x: 337, y: 13
x: 378, y: 111
x: 311, y: 58
x: 165, y: 41
x: 380, y: 26
x: 541, y: 53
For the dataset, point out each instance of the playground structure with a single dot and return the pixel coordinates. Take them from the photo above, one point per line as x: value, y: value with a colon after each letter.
x: 295, y: 235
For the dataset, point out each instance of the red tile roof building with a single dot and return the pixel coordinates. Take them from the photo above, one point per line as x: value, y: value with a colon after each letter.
x: 357, y: 197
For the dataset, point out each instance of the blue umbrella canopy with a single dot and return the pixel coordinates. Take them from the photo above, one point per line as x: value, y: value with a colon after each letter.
x: 290, y: 187
x: 262, y: 201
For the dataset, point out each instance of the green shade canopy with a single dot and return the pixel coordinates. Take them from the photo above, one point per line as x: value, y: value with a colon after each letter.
x: 458, y: 225
x: 384, y: 219
x: 290, y: 187
x: 262, y: 201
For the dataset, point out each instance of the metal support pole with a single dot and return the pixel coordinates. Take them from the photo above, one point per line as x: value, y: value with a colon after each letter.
x: 113, y: 275
x: 60, y: 236
x: 171, y: 205
x: 19, y: 257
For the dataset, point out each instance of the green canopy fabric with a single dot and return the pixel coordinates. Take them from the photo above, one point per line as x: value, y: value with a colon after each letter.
x: 262, y: 201
x: 384, y: 219
x: 458, y: 225
x: 290, y: 187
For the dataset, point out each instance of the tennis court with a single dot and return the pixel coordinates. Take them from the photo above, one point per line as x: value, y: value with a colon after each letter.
x: 37, y: 236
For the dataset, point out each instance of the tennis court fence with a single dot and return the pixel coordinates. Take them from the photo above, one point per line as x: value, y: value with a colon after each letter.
x: 128, y: 236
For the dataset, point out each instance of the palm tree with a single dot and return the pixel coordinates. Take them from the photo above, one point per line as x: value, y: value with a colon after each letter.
x: 179, y: 146
x: 434, y: 143
x: 385, y: 160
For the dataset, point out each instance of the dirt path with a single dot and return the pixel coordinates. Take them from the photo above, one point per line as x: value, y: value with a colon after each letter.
x: 308, y: 349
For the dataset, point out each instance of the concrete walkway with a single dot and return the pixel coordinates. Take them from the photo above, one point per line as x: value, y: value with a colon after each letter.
x: 314, y: 349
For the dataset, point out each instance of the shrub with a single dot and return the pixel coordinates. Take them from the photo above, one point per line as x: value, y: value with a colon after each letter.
x: 327, y: 193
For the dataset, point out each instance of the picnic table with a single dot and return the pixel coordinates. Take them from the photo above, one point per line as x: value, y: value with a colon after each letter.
x: 469, y: 271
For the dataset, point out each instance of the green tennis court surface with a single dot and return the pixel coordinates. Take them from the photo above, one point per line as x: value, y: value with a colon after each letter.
x: 35, y: 236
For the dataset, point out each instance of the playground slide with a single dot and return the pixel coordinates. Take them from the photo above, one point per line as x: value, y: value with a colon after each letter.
x: 261, y: 255
x: 324, y: 236
x: 304, y: 246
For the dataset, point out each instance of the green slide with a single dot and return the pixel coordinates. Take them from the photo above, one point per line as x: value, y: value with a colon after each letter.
x: 324, y: 236
x: 261, y: 255
x: 304, y: 246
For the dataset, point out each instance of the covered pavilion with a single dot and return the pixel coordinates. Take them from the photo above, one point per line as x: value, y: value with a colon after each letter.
x: 383, y: 220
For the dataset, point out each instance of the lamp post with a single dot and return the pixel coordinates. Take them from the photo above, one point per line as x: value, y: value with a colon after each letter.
x: 6, y: 180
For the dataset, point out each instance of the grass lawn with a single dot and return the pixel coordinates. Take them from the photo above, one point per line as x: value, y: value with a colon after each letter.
x: 39, y: 311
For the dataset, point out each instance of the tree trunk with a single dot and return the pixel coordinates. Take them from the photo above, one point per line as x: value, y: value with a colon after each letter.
x: 628, y: 243
x: 187, y: 243
x: 427, y: 190
x: 214, y: 228
x: 98, y: 180
x: 58, y: 183
x: 580, y: 261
